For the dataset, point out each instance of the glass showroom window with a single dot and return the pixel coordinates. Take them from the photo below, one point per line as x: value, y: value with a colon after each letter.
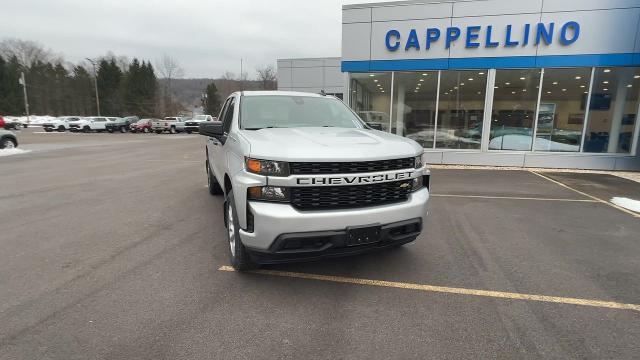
x: 461, y: 109
x: 414, y: 106
x: 612, y: 110
x: 370, y: 98
x: 514, y: 104
x: 562, y: 109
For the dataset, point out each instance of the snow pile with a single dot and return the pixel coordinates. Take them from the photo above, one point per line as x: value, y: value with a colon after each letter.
x: 35, y: 119
x: 14, y: 151
x: 629, y: 204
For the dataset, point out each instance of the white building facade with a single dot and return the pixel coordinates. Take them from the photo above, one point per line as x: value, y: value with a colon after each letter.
x: 536, y: 83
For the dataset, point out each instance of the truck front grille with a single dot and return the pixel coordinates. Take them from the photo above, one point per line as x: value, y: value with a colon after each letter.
x: 353, y: 196
x: 311, y: 168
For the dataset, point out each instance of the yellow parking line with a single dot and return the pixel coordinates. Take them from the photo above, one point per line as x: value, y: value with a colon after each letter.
x: 444, y: 289
x: 510, y: 198
x: 589, y: 196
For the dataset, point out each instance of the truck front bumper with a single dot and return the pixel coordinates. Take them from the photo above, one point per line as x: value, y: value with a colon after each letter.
x: 323, y: 233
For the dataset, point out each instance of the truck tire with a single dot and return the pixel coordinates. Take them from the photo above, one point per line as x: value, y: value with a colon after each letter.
x: 7, y: 143
x: 145, y: 130
x: 61, y: 128
x: 110, y: 130
x: 172, y: 130
x: 123, y: 129
x: 158, y: 131
x: 240, y: 259
x: 86, y: 129
x: 212, y: 182
x: 48, y: 129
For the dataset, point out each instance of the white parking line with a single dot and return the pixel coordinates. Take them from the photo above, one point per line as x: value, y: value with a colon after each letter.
x: 589, y: 196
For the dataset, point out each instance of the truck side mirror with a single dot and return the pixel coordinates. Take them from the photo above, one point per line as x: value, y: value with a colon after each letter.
x: 210, y: 128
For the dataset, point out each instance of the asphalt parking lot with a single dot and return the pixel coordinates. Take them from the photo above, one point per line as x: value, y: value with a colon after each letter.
x: 112, y: 248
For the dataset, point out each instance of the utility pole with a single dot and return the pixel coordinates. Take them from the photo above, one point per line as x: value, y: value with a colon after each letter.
x: 95, y: 77
x: 241, y: 76
x: 23, y: 82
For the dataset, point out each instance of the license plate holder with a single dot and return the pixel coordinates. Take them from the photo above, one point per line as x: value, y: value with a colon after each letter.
x: 362, y: 235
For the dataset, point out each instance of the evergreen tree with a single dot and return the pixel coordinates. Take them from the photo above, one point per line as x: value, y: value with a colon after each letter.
x: 109, y: 88
x: 82, y: 92
x: 11, y: 101
x: 212, y: 101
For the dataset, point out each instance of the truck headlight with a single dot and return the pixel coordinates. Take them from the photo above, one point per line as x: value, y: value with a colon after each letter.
x: 268, y: 193
x: 268, y: 167
x: 418, y: 161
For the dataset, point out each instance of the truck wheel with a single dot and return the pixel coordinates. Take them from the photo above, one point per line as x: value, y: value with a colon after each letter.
x: 212, y: 182
x: 86, y: 129
x: 172, y: 130
x: 239, y: 257
x: 48, y: 129
x: 123, y: 129
x: 145, y: 130
x: 158, y: 131
x: 188, y: 131
x: 110, y: 130
x: 61, y: 128
x: 7, y: 143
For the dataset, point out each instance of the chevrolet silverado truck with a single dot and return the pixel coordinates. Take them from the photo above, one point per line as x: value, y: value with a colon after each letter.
x: 303, y: 178
x: 60, y: 124
x: 121, y: 124
x: 171, y: 124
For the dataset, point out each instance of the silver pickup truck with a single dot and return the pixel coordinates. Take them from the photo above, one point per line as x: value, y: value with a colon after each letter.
x: 170, y: 124
x: 304, y: 178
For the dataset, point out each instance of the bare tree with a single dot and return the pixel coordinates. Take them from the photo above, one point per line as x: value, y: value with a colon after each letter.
x: 266, y: 75
x: 27, y: 52
x: 169, y: 69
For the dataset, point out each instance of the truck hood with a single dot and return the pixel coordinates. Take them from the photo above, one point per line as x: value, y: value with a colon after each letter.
x: 328, y: 144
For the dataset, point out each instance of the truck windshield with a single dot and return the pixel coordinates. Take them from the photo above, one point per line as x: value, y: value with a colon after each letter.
x: 259, y: 112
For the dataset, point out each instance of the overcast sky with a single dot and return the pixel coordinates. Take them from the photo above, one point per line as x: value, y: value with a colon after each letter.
x: 207, y: 37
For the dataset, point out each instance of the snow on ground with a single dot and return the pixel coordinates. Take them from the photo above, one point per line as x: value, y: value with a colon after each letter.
x: 629, y: 204
x: 15, y: 151
x: 34, y: 119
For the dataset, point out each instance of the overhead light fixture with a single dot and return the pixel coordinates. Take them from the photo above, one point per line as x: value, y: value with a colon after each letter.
x: 555, y: 83
x: 586, y: 92
x: 481, y: 73
x: 578, y: 77
x: 382, y: 91
x: 507, y: 83
x: 605, y: 82
x: 455, y: 87
x: 607, y: 70
x: 495, y: 87
x: 461, y: 84
x: 548, y: 92
x: 470, y: 79
x: 415, y: 91
x: 605, y: 89
x: 375, y: 80
x: 524, y: 90
x: 637, y: 77
x: 583, y: 86
x: 629, y: 85
x: 421, y: 80
x: 425, y: 74
x: 479, y: 92
x: 523, y: 78
x: 372, y: 75
x: 564, y: 89
x: 513, y: 92
x: 446, y: 93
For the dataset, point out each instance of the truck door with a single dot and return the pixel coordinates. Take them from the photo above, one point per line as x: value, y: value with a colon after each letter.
x: 216, y: 155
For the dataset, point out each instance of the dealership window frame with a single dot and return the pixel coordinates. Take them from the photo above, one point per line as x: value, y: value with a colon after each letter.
x: 488, y: 109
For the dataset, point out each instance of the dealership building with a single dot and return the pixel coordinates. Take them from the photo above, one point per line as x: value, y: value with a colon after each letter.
x: 536, y: 83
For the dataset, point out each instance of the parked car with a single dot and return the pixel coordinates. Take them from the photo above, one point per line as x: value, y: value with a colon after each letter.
x: 8, y: 140
x: 121, y: 124
x: 60, y: 124
x: 88, y: 124
x: 143, y: 125
x: 192, y: 125
x: 172, y: 124
x: 11, y: 123
x: 304, y: 178
x: 2, y: 122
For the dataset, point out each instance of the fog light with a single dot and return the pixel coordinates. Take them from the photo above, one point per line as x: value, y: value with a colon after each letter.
x: 268, y: 193
x: 417, y: 183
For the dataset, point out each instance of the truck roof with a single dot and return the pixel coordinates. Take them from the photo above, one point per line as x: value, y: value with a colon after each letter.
x: 279, y: 93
